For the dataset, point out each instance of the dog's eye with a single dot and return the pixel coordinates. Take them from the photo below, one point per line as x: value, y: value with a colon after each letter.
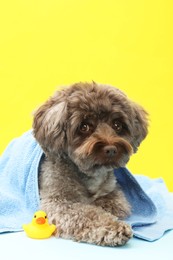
x: 117, y: 125
x: 84, y: 127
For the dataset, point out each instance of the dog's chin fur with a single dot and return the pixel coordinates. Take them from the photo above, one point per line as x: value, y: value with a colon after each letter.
x: 86, y: 130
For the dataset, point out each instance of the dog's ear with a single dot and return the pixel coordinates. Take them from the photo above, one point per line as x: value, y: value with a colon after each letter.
x: 140, y: 125
x: 49, y: 125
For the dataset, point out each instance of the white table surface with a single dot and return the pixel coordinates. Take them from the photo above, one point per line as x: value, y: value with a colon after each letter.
x: 18, y: 246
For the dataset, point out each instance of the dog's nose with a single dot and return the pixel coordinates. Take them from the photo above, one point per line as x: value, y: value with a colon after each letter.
x: 110, y: 151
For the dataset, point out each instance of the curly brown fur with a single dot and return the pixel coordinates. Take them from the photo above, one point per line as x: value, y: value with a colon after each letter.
x: 87, y: 130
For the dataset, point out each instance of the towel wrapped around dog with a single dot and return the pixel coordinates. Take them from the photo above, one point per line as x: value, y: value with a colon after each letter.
x: 152, y: 204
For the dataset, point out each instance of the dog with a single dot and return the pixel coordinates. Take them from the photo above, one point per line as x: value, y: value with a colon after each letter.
x: 87, y: 130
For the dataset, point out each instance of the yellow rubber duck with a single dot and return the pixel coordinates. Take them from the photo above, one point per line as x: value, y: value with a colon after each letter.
x: 39, y: 228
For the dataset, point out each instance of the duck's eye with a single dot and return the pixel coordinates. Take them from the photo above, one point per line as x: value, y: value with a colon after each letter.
x: 117, y: 125
x: 35, y: 216
x: 45, y: 217
x: 84, y: 127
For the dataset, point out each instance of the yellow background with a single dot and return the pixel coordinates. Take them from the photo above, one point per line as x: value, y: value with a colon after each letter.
x: 129, y: 44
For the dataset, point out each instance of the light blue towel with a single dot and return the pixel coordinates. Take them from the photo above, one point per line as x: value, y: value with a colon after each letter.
x: 19, y: 197
x: 152, y: 205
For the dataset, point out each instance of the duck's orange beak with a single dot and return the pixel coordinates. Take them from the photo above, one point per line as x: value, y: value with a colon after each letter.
x: 40, y: 221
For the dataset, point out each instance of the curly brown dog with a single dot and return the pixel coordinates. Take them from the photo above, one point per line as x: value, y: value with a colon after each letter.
x: 87, y: 130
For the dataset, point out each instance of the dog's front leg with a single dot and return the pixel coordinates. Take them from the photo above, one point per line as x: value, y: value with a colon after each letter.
x: 115, y: 203
x: 87, y: 223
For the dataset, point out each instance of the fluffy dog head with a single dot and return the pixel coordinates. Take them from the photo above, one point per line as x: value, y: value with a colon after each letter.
x: 95, y: 126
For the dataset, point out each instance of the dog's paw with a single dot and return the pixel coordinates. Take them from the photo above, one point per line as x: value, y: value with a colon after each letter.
x: 117, y: 235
